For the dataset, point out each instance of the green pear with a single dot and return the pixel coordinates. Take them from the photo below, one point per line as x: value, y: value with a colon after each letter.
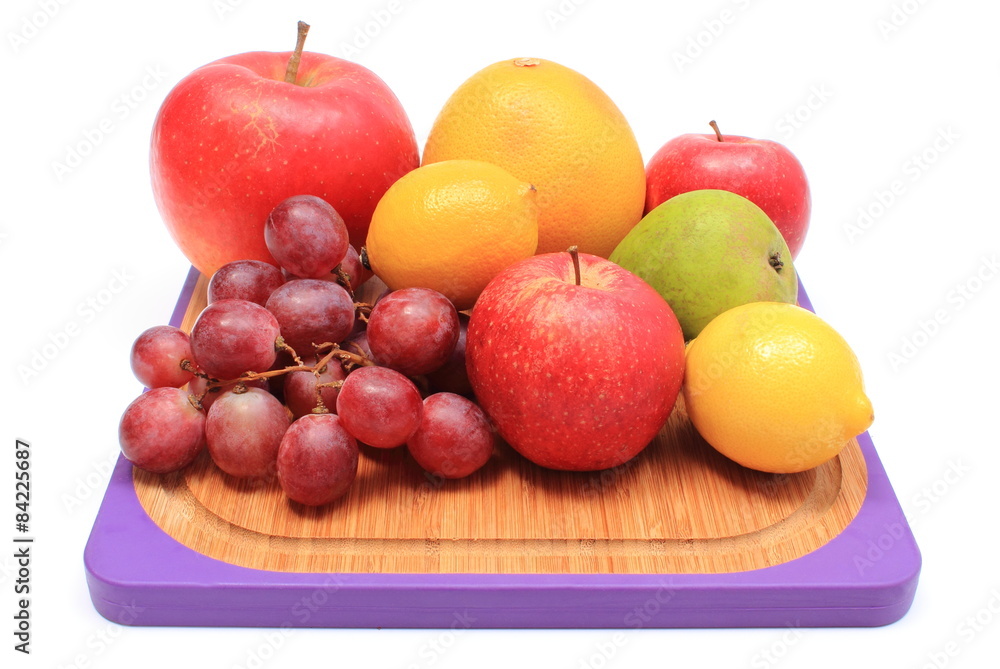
x: 706, y: 251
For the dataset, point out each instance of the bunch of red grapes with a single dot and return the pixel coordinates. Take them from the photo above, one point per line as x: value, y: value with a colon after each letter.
x: 283, y: 373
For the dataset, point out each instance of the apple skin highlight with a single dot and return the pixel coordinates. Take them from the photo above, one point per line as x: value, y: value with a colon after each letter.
x: 763, y: 171
x: 576, y: 377
x: 233, y: 139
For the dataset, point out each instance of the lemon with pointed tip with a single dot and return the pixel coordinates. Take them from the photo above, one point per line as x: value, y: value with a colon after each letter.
x: 774, y: 387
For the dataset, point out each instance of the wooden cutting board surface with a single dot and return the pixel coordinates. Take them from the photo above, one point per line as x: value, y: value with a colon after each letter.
x: 678, y: 507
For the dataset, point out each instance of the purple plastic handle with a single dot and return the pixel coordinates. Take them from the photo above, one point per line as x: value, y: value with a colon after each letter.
x: 139, y: 575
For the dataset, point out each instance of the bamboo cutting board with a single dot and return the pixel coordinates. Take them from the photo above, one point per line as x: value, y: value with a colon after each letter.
x: 677, y: 537
x: 679, y: 507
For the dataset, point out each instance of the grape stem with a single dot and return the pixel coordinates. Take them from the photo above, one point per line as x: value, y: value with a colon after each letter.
x: 342, y: 356
x: 196, y: 401
x: 188, y: 367
x: 281, y: 345
x: 320, y: 405
x: 344, y: 279
x: 363, y: 311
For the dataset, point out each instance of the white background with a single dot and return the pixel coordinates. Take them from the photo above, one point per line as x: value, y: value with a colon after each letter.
x: 867, y: 96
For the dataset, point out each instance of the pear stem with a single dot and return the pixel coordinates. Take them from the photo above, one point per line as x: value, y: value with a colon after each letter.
x: 575, y: 255
x: 715, y: 127
x: 293, y: 62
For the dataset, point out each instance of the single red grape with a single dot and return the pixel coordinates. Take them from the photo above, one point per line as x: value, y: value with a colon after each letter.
x: 251, y: 280
x: 379, y: 406
x: 157, y: 354
x: 452, y: 376
x: 351, y: 264
x: 243, y: 431
x: 317, y: 460
x: 161, y: 431
x: 413, y: 330
x: 306, y: 236
x: 311, y: 311
x: 454, y: 438
x: 231, y: 337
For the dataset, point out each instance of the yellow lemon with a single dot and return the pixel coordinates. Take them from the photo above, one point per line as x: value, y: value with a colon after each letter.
x: 452, y: 226
x: 555, y: 128
x: 774, y: 387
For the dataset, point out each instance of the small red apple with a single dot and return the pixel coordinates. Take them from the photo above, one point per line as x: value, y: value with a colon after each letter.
x: 763, y: 171
x: 234, y: 138
x: 578, y: 368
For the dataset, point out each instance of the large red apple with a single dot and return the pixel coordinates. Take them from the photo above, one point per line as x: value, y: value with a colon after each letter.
x: 763, y: 171
x: 233, y: 139
x: 577, y: 374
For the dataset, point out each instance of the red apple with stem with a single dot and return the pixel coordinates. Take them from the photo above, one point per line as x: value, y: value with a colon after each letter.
x: 763, y: 171
x: 576, y: 360
x: 239, y: 135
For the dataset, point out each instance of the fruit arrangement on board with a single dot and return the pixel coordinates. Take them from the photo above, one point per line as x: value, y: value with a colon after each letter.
x: 541, y: 283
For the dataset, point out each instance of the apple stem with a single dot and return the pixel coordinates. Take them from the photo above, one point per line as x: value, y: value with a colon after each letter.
x: 575, y: 255
x: 293, y: 62
x: 715, y: 127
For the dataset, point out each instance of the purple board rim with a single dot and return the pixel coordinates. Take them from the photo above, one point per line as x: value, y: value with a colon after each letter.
x: 139, y: 575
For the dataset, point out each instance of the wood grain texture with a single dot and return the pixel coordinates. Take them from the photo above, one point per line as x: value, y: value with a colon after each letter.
x: 678, y: 507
